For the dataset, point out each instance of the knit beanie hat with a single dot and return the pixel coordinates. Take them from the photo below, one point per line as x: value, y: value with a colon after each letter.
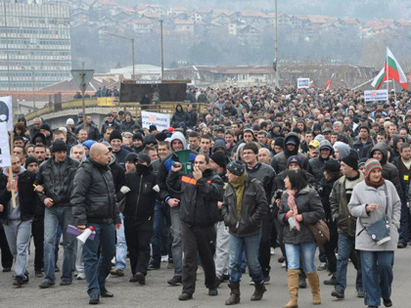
x: 219, y: 158
x: 137, y: 136
x: 88, y: 143
x: 351, y: 161
x: 295, y: 159
x: 59, y: 145
x: 131, y: 157
x: 332, y: 165
x: 279, y: 141
x: 362, y: 162
x: 370, y: 165
x: 236, y: 167
x: 30, y: 160
x: 115, y: 134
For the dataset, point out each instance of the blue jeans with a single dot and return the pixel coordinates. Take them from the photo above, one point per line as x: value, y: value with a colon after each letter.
x: 377, y: 274
x: 305, y: 251
x: 250, y: 245
x: 54, y: 218
x: 98, y: 268
x: 345, y: 245
x: 176, y: 248
x: 160, y: 217
x: 121, y: 247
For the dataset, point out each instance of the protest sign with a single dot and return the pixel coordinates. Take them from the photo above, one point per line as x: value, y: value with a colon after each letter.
x: 162, y: 121
x: 375, y: 95
x: 303, y: 83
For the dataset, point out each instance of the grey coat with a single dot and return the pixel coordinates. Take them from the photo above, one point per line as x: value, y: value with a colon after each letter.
x: 310, y: 207
x: 363, y: 195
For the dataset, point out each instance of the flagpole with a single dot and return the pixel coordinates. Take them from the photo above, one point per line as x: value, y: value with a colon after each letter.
x: 386, y: 74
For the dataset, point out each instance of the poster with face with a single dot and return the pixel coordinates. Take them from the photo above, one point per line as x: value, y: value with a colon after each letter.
x: 6, y: 111
x: 4, y: 146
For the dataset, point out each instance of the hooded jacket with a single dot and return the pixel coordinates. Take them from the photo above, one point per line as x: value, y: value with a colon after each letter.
x: 166, y: 165
x: 179, y: 116
x: 396, y: 138
x: 316, y: 164
x: 149, y: 139
x: 342, y: 148
x: 389, y: 171
x: 279, y: 161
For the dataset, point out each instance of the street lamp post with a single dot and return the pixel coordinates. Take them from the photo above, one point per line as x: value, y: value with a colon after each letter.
x: 32, y: 80
x: 276, y: 62
x: 133, y: 77
x: 162, y: 49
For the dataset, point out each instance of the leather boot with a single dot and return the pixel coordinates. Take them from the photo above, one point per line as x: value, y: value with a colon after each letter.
x: 293, y: 285
x: 314, y: 282
x: 258, y: 292
x: 234, y: 295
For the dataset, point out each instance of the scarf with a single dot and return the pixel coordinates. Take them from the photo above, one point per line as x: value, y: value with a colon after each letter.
x: 373, y: 184
x: 239, y: 186
x: 293, y: 207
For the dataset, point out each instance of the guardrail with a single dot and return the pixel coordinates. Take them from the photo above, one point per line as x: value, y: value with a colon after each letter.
x: 109, y: 103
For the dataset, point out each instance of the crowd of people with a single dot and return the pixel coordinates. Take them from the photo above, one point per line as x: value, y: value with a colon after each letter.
x: 262, y: 166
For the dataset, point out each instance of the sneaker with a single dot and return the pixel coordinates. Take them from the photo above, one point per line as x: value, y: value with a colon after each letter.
x: 133, y: 279
x: 322, y: 267
x: 212, y: 292
x: 164, y: 258
x: 38, y: 274
x: 65, y: 282
x: 281, y: 259
x: 401, y: 245
x: 272, y: 251
x: 6, y: 269
x: 81, y: 276
x: 252, y: 282
x: 108, y: 277
x: 284, y: 265
x: 224, y: 277
x: 175, y: 281
x: 267, y: 279
x: 360, y: 293
x: 331, y: 281
x: 17, y: 282
x: 337, y: 294
x: 117, y: 272
x: 57, y: 269
x: 46, y: 284
x: 199, y: 270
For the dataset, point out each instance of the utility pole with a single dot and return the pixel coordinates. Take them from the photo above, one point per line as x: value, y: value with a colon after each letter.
x: 276, y: 62
x: 32, y: 80
x: 133, y: 59
x: 162, y: 49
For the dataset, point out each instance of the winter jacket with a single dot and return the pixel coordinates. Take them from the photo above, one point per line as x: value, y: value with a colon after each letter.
x: 389, y: 171
x: 362, y: 196
x: 359, y: 147
x: 114, y: 125
x: 179, y: 116
x: 57, y: 180
x: 326, y: 187
x: 119, y: 177
x: 93, y: 195
x: 128, y: 126
x: 140, y: 200
x: 309, y: 206
x: 193, y: 118
x: 198, y: 204
x: 93, y: 133
x: 254, y: 207
x: 26, y: 195
x: 266, y: 175
x: 121, y: 156
x: 316, y: 165
x: 279, y: 161
x: 339, y: 207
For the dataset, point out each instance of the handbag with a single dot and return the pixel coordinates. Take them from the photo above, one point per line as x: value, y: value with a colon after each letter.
x: 379, y: 231
x: 320, y: 231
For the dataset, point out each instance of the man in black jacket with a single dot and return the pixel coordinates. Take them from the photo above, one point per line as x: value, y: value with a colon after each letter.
x: 138, y: 213
x: 54, y: 182
x: 17, y: 216
x: 200, y: 192
x: 94, y: 204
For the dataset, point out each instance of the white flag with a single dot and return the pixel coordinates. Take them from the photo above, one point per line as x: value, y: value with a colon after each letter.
x: 4, y: 146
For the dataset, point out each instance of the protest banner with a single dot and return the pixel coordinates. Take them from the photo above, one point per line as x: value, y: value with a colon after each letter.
x: 303, y: 83
x: 162, y: 121
x: 376, y: 95
x: 6, y: 111
x: 4, y: 146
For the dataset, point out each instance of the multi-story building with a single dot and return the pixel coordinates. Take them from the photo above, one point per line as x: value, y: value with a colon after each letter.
x: 35, y: 46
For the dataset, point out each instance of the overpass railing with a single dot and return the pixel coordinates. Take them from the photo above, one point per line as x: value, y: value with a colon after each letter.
x: 106, y: 104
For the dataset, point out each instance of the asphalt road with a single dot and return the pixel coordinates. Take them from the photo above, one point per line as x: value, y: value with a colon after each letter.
x: 158, y: 294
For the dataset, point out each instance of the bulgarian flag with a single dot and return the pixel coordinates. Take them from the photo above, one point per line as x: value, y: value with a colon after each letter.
x: 328, y: 84
x: 391, y: 71
x: 312, y: 84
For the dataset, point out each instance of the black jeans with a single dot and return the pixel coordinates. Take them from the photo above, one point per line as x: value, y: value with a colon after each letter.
x: 37, y: 230
x: 138, y: 237
x: 331, y: 246
x: 6, y: 256
x: 198, y: 241
x: 265, y: 245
